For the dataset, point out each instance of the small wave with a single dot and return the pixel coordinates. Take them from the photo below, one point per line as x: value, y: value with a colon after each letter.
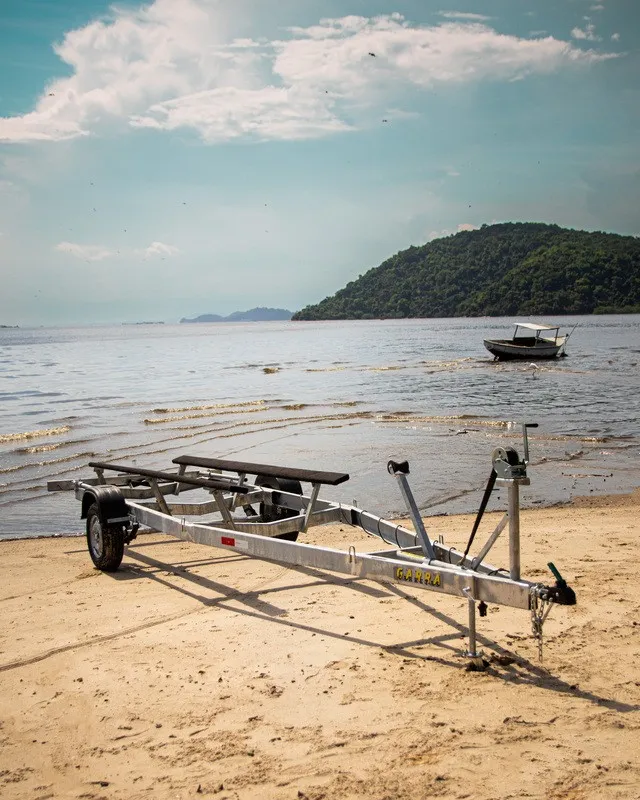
x: 179, y: 409
x: 39, y: 448
x: 28, y: 393
x: 18, y: 437
x: 61, y: 460
x: 276, y: 424
x: 404, y: 416
x: 178, y: 417
x: 261, y: 425
x: 46, y: 448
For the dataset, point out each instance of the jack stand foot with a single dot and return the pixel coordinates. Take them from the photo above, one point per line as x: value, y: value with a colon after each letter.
x: 475, y: 663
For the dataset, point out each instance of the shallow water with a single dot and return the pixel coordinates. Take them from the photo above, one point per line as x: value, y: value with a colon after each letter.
x: 344, y: 396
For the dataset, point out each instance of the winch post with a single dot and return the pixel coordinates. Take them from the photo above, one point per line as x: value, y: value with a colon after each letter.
x: 514, y: 531
x: 511, y: 472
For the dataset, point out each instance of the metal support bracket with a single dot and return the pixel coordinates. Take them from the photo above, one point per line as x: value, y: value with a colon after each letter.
x: 400, y: 471
x: 315, y: 490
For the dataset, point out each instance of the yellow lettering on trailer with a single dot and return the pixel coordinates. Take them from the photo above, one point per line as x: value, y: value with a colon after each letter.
x: 418, y: 576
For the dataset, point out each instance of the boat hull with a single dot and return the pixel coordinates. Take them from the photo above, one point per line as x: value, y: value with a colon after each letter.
x: 505, y: 349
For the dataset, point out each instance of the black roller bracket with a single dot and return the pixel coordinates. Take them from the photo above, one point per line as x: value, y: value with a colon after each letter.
x: 394, y: 467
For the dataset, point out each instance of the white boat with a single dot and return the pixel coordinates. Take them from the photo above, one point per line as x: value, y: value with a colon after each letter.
x: 530, y: 340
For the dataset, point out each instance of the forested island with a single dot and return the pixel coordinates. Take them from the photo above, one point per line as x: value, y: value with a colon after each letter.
x: 253, y: 315
x: 522, y: 268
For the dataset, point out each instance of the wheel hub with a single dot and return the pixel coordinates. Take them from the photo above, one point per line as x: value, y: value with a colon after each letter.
x: 95, y: 536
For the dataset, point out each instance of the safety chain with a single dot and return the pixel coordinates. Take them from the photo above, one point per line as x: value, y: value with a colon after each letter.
x: 540, y: 609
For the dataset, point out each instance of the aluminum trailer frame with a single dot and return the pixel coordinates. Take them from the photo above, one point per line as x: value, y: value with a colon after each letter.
x: 115, y: 508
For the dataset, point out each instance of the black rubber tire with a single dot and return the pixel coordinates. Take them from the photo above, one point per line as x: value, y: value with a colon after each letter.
x: 106, y: 544
x: 271, y: 513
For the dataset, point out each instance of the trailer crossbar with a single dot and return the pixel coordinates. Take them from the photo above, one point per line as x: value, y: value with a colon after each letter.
x: 205, y: 483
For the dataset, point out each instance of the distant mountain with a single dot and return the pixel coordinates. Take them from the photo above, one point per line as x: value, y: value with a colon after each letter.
x: 253, y: 315
x: 524, y: 268
x: 204, y: 318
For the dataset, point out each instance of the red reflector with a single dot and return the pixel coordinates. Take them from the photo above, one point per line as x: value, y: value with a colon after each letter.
x: 228, y: 540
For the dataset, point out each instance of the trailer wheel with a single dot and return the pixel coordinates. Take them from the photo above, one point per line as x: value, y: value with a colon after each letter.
x: 105, y: 543
x: 271, y: 513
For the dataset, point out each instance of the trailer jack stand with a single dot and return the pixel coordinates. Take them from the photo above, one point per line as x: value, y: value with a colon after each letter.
x: 476, y: 662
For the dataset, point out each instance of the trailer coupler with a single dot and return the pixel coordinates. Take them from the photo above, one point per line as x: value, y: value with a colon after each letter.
x: 561, y: 593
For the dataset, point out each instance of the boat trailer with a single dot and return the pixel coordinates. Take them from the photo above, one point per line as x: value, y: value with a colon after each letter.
x: 263, y: 518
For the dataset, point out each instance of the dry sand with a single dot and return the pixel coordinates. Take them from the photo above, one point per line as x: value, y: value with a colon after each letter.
x: 192, y: 672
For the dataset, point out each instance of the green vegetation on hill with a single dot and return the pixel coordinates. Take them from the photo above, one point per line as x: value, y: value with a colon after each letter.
x: 524, y: 268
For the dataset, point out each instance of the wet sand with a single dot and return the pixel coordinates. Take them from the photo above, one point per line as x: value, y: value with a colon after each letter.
x: 192, y: 672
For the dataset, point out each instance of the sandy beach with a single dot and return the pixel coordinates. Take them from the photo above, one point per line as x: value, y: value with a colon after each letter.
x: 193, y: 672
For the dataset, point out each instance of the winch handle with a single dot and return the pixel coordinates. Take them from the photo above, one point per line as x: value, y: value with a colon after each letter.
x: 556, y: 574
x: 526, y: 425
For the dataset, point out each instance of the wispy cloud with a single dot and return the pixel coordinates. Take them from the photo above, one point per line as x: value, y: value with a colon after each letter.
x: 86, y: 252
x: 587, y: 33
x: 615, y: 37
x: 168, y: 66
x: 159, y: 249
x: 463, y: 15
x: 97, y: 252
x: 463, y: 226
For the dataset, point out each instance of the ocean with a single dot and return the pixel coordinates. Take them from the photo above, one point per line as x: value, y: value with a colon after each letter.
x: 341, y: 396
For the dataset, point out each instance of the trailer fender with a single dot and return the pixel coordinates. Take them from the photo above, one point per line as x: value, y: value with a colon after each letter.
x: 111, y: 505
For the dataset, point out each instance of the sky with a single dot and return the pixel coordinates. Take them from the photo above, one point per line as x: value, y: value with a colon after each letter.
x: 182, y: 157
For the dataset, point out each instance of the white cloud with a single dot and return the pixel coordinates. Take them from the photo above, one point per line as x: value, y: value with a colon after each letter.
x: 463, y: 226
x: 159, y: 249
x: 223, y: 114
x: 597, y: 7
x: 171, y: 65
x: 96, y: 252
x: 336, y: 56
x: 615, y: 37
x: 463, y: 15
x: 587, y: 33
x: 87, y: 252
